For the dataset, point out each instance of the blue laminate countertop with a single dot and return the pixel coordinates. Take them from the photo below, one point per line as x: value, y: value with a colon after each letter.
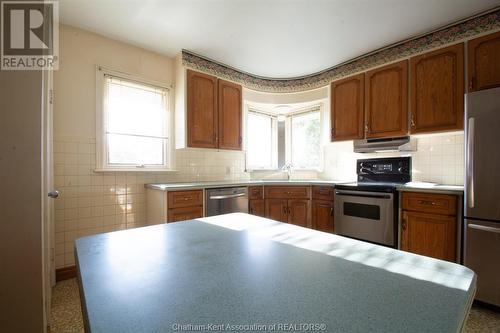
x: 415, y: 186
x: 238, y: 269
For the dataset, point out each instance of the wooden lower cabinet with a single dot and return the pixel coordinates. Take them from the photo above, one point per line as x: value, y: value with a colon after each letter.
x: 294, y: 211
x: 322, y: 215
x: 257, y: 207
x: 184, y: 213
x: 430, y: 235
x: 276, y: 209
x: 298, y: 212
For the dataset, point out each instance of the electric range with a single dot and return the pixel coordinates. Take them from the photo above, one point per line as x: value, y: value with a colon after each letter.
x: 367, y: 209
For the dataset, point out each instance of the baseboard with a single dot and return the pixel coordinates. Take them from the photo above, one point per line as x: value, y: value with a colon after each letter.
x: 65, y: 273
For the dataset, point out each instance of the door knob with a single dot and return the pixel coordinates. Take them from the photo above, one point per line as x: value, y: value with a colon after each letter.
x: 53, y: 194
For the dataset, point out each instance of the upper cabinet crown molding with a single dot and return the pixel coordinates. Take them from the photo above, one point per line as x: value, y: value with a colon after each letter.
x: 347, y: 108
x: 484, y: 62
x: 386, y: 98
x: 437, y: 90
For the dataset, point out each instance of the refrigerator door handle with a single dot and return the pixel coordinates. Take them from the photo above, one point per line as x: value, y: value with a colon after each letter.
x: 470, y: 162
x: 484, y: 228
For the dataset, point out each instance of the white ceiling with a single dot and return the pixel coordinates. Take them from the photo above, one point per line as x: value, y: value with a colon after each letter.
x: 269, y: 38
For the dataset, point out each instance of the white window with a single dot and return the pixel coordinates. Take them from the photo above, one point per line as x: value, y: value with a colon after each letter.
x: 132, y: 124
x: 305, y: 140
x: 261, y: 141
x: 275, y: 140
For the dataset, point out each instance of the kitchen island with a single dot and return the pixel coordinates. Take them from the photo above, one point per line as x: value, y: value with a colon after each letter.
x: 238, y: 269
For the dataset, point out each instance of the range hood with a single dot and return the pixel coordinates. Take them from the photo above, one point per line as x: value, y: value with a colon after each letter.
x: 385, y: 145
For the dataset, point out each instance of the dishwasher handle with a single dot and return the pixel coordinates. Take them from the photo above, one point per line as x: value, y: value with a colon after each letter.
x: 226, y: 196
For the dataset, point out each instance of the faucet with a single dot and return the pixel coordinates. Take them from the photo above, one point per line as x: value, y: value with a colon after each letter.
x: 288, y: 168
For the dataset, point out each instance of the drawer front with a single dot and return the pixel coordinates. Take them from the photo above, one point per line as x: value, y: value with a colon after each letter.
x: 287, y: 192
x: 430, y: 203
x: 255, y: 192
x: 322, y: 192
x: 184, y: 213
x: 178, y: 199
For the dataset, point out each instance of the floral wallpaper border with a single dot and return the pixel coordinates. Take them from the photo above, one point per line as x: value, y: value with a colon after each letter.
x: 460, y: 31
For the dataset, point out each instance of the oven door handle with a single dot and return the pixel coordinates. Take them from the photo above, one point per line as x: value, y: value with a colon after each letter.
x: 364, y: 195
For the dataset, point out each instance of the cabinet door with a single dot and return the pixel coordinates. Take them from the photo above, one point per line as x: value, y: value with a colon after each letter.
x: 429, y: 235
x: 322, y: 215
x: 202, y: 120
x: 298, y: 212
x: 484, y: 62
x: 257, y: 207
x: 276, y: 209
x: 386, y: 101
x: 229, y: 115
x: 437, y: 90
x: 347, y: 104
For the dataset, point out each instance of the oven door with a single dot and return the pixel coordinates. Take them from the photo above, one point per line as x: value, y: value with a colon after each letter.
x: 365, y: 215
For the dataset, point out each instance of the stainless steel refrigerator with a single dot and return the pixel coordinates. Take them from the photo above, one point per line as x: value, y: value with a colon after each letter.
x: 482, y: 191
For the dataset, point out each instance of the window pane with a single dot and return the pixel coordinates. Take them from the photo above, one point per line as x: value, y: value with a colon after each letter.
x: 134, y: 110
x: 259, y: 141
x: 127, y: 149
x: 306, y: 140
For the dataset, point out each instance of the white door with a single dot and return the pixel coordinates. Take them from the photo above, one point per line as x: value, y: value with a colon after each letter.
x: 49, y: 194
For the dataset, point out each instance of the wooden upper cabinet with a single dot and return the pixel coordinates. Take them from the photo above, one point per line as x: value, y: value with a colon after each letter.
x: 230, y: 136
x: 202, y: 119
x: 347, y: 104
x: 484, y: 62
x: 437, y: 90
x: 386, y: 98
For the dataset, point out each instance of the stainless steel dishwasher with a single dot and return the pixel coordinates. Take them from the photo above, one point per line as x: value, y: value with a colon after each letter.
x: 226, y: 200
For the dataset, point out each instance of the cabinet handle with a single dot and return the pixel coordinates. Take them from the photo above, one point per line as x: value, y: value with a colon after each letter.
x: 427, y: 202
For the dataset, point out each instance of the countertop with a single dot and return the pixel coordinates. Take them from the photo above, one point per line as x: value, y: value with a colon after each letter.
x: 241, y: 269
x: 415, y: 186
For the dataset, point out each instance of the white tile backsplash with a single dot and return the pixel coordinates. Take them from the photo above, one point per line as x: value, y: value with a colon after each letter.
x: 92, y: 203
x: 438, y: 159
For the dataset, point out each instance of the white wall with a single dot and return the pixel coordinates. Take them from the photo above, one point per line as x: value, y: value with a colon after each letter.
x: 98, y: 202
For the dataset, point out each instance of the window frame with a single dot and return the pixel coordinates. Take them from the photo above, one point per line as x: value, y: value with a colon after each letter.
x: 274, y: 140
x: 288, y: 134
x: 102, y: 164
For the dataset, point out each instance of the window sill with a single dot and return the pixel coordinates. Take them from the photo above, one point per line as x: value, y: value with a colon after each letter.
x: 134, y: 170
